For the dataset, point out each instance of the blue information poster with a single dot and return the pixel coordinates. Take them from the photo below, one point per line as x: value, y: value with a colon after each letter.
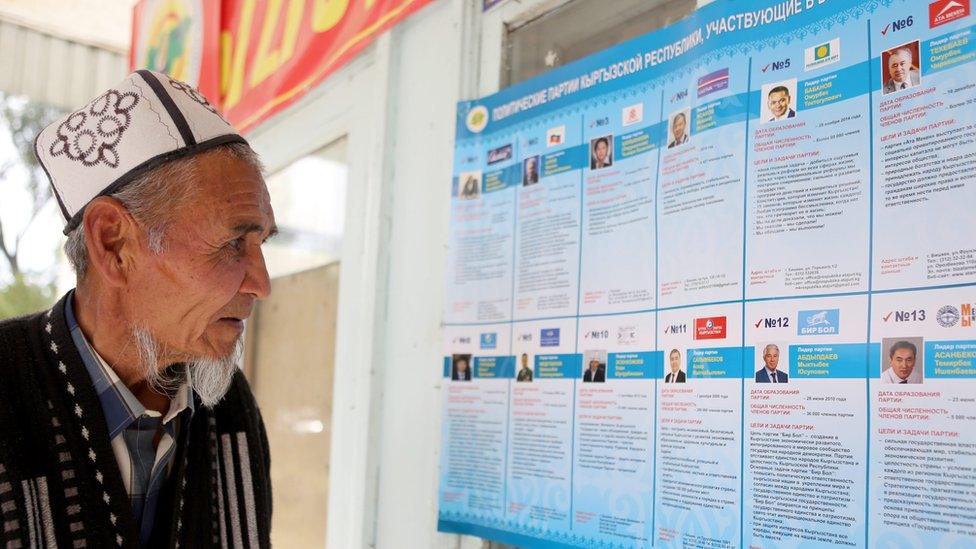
x: 715, y: 287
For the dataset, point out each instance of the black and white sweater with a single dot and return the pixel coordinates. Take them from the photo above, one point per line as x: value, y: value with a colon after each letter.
x: 60, y: 484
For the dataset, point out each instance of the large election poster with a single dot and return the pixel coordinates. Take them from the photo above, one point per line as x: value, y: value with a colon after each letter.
x: 715, y: 287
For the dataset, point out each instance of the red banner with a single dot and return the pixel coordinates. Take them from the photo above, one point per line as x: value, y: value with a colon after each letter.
x: 271, y: 52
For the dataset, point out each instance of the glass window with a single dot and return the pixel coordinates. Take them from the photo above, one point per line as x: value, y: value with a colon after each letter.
x: 291, y: 336
x: 579, y: 28
x: 309, y: 200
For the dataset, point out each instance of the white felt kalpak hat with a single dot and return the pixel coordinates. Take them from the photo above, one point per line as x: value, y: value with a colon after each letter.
x: 144, y: 121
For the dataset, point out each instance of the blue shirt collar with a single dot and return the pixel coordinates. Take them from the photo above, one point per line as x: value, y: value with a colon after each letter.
x: 119, y: 406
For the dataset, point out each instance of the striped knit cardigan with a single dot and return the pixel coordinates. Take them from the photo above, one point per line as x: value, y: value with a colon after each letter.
x: 60, y: 484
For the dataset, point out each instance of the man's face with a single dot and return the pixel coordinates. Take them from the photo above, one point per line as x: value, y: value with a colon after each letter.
x: 462, y: 366
x: 675, y: 359
x: 530, y: 166
x: 525, y: 361
x: 903, y: 362
x: 601, y: 150
x: 194, y: 296
x: 771, y: 358
x: 899, y: 66
x: 779, y: 103
x: 678, y: 127
x: 594, y: 364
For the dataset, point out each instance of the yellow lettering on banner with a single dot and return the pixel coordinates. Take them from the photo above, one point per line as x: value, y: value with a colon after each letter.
x: 295, y: 12
x: 226, y: 44
x: 265, y: 60
x: 268, y: 60
x: 327, y: 13
x: 238, y: 54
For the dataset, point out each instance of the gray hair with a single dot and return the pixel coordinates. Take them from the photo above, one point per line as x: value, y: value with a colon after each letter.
x: 903, y: 51
x: 770, y: 346
x: 153, y: 197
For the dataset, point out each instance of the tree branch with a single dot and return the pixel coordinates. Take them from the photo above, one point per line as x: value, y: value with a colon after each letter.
x: 11, y: 256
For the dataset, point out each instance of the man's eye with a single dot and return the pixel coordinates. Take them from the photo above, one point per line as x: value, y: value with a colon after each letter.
x: 237, y: 244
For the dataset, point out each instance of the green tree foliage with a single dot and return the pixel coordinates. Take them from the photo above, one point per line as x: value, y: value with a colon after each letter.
x: 22, y: 297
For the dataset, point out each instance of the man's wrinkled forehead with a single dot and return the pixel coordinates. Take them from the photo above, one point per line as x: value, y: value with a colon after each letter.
x: 249, y: 211
x: 232, y: 197
x: 900, y: 56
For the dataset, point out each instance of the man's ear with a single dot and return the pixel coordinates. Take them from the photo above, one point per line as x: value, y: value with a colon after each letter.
x: 112, y: 239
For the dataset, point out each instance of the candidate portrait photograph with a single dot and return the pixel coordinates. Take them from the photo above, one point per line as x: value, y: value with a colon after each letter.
x: 601, y: 152
x: 901, y: 363
x: 469, y: 185
x: 673, y: 368
x: 679, y: 128
x: 900, y: 68
x: 778, y: 101
x: 595, y: 366
x: 771, y: 370
x: 461, y: 367
x: 530, y: 171
x: 525, y: 369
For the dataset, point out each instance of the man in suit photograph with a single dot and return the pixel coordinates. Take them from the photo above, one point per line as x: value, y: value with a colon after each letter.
x: 596, y: 373
x: 902, y: 73
x: 462, y: 372
x: 525, y: 372
x: 679, y: 130
x: 675, y: 375
x: 769, y: 372
x: 530, y: 171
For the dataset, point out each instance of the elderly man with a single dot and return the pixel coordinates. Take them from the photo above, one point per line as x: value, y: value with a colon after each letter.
x: 124, y: 420
x: 901, y: 71
x: 769, y: 372
x: 530, y: 175
x: 678, y: 126
x: 901, y: 364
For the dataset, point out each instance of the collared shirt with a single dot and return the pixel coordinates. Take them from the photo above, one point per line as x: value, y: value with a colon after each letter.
x: 132, y: 429
x: 889, y: 376
x: 676, y: 141
x: 773, y: 378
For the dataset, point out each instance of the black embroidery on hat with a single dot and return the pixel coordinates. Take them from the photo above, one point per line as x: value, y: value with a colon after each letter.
x: 193, y: 94
x: 91, y: 135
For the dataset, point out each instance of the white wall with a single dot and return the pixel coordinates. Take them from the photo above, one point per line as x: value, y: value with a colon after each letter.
x: 425, y: 89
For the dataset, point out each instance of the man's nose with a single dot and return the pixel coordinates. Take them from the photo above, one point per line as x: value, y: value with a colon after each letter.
x: 256, y: 282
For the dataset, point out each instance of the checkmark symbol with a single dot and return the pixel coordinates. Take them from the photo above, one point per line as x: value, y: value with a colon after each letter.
x: 758, y: 323
x: 887, y: 316
x: 884, y: 31
x: 764, y: 69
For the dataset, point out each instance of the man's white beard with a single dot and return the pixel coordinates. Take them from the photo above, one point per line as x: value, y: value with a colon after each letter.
x: 209, y: 378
